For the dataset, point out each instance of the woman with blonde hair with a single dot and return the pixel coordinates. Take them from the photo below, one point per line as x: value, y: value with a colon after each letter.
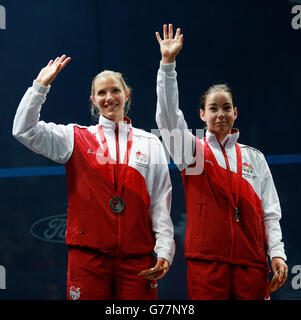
x: 119, y: 190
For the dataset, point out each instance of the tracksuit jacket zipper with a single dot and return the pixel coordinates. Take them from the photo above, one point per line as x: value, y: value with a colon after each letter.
x: 223, y: 148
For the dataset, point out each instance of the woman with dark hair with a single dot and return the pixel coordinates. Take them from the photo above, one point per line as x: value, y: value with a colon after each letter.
x: 119, y: 190
x: 233, y: 210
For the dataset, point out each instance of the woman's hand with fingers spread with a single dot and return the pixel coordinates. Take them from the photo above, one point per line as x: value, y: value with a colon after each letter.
x: 171, y: 45
x: 49, y: 73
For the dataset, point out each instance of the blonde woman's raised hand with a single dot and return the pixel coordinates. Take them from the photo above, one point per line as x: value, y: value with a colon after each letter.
x: 49, y: 73
x: 171, y: 44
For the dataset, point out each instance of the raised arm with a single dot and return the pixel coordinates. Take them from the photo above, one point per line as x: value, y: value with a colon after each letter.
x: 178, y: 139
x: 53, y: 141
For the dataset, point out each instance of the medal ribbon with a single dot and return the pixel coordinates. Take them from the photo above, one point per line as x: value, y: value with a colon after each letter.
x: 239, y: 175
x: 121, y: 176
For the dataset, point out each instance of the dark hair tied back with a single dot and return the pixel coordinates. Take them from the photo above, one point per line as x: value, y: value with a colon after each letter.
x: 213, y: 89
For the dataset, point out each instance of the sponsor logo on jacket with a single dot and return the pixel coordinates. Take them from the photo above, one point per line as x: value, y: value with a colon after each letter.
x: 74, y: 292
x: 141, y: 159
x: 248, y: 171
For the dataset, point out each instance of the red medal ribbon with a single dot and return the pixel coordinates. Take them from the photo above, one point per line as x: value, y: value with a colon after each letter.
x: 120, y: 174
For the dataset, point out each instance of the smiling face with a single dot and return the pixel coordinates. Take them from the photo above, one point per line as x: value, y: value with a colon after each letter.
x: 219, y: 113
x: 110, y: 97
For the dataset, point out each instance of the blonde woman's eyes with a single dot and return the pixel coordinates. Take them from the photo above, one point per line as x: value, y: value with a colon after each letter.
x: 103, y: 92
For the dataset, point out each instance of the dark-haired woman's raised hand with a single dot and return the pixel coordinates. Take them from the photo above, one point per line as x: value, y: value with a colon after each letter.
x: 49, y: 73
x: 171, y: 44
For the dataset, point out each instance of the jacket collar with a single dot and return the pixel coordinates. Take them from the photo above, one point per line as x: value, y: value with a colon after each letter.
x: 230, y: 139
x: 111, y: 125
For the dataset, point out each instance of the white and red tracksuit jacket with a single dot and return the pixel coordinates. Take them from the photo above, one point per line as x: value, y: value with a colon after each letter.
x: 145, y: 225
x: 209, y: 170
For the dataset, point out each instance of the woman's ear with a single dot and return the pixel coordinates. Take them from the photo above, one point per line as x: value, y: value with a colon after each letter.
x: 235, y: 113
x: 202, y: 115
x: 127, y: 95
x: 92, y: 99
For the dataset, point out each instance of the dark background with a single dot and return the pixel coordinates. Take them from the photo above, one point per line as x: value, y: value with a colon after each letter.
x: 251, y: 45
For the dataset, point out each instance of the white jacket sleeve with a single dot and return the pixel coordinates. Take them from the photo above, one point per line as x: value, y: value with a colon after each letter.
x: 48, y: 139
x: 160, y: 207
x: 178, y: 139
x: 271, y: 213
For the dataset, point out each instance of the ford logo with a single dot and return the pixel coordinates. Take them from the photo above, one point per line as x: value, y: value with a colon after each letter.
x: 50, y: 229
